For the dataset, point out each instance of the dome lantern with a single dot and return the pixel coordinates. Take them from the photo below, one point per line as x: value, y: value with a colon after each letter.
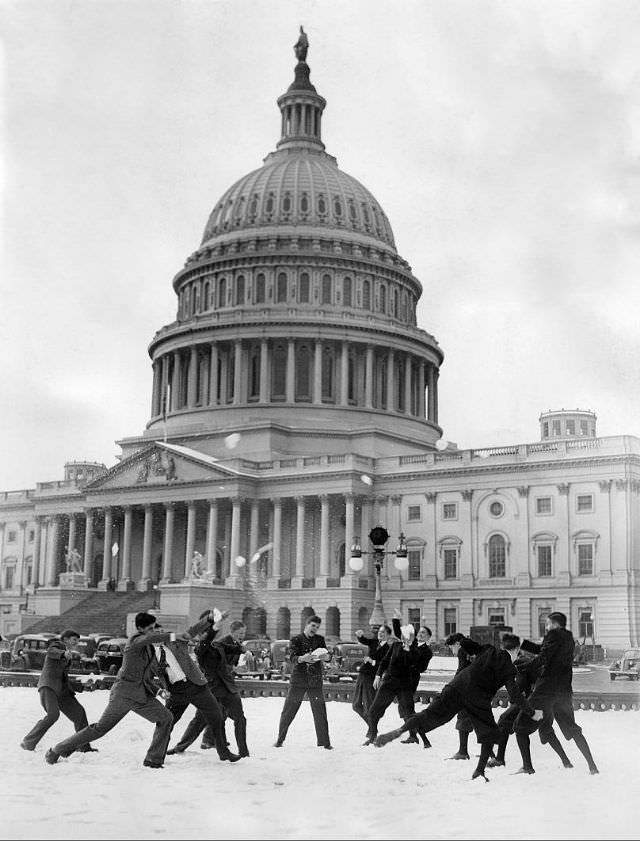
x: 301, y: 106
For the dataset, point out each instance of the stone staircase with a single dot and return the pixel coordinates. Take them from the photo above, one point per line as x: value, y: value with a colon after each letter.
x: 100, y: 613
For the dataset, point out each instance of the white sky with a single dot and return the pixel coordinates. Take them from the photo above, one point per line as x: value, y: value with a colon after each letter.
x: 303, y: 792
x: 502, y: 139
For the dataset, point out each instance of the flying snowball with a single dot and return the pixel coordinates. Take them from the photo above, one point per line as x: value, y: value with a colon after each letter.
x: 442, y: 444
x: 240, y: 561
x: 232, y: 441
x: 366, y: 479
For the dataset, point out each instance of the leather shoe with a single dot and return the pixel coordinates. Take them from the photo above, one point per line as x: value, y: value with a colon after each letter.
x: 51, y: 756
x: 230, y: 757
x: 174, y: 752
x: 88, y: 749
x: 279, y: 743
x: 206, y: 746
x: 244, y: 754
x: 477, y: 774
x: 524, y: 771
x: 592, y: 770
x: 492, y: 762
x: 328, y: 747
x: 459, y: 755
x: 25, y: 746
x: 368, y: 742
x: 411, y: 740
x: 148, y: 763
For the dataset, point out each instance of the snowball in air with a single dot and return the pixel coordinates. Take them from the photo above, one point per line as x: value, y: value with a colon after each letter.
x: 366, y: 479
x: 442, y: 444
x: 232, y: 441
x: 240, y: 561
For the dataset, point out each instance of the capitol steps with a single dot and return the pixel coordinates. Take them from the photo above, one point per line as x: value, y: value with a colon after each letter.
x: 99, y: 613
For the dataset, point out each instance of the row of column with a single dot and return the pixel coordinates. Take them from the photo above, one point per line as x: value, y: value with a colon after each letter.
x: 210, y: 373
x: 47, y: 535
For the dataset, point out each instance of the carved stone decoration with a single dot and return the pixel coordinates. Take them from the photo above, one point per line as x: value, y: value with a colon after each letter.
x: 157, y: 465
x: 467, y: 495
x: 563, y: 489
x: 622, y: 484
x: 431, y: 497
x: 523, y: 491
x: 605, y: 485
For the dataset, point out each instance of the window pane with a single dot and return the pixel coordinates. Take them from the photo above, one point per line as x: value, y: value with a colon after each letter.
x: 414, y: 557
x: 585, y: 559
x: 544, y: 561
x: 414, y: 512
x: 450, y: 563
x: 497, y: 557
x: 543, y: 505
x: 449, y: 511
x: 450, y: 621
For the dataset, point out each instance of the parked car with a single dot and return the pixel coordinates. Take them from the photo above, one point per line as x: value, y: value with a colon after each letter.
x: 109, y: 654
x: 627, y: 666
x: 28, y: 652
x: 280, y: 663
x: 346, y: 660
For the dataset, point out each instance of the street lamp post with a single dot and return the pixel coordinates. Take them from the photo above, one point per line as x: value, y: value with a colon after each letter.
x: 378, y: 537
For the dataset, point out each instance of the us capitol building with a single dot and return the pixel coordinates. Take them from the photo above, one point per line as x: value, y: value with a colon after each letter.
x: 294, y: 406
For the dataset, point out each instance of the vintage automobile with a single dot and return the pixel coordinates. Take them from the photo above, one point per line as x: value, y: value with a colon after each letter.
x: 346, y: 661
x: 626, y: 666
x: 109, y: 654
x: 28, y: 652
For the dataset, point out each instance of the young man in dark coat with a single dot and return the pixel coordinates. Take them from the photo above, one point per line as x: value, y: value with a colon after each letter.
x: 217, y: 658
x: 364, y: 693
x: 420, y: 655
x: 473, y: 689
x: 464, y: 725
x: 55, y: 690
x: 134, y: 690
x: 306, y: 679
x: 553, y: 692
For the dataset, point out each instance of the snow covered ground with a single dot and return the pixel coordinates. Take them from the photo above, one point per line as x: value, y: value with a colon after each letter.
x: 304, y: 792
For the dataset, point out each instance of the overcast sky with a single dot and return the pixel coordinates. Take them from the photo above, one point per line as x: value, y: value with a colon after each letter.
x: 502, y: 139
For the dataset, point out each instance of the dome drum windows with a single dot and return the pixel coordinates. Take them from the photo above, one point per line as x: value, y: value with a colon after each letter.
x: 347, y: 293
x: 322, y: 207
x: 282, y: 288
x: 337, y: 209
x: 253, y: 207
x: 269, y: 207
x: 260, y: 295
x: 304, y: 205
x: 327, y: 290
x: 303, y: 288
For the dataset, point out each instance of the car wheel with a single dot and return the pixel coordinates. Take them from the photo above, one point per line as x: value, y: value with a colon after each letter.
x: 612, y: 677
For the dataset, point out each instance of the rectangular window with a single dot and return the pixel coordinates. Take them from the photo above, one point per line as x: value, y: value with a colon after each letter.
x: 450, y: 621
x: 585, y: 502
x: 29, y: 575
x: 545, y: 430
x: 414, y: 557
x: 450, y: 511
x: 571, y: 427
x: 413, y: 513
x: 496, y: 616
x: 8, y: 578
x: 544, y: 561
x: 584, y: 429
x: 556, y: 428
x: 450, y: 563
x: 543, y: 612
x: 32, y: 535
x: 413, y: 615
x: 585, y: 623
x: 11, y: 537
x: 585, y: 559
x: 543, y: 505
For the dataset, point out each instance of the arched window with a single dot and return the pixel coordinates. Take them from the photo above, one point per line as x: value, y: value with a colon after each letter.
x: 497, y: 556
x: 260, y: 289
x: 205, y: 295
x: 353, y: 213
x: 327, y: 289
x: 222, y: 293
x: 366, y: 295
x: 253, y: 207
x: 240, y: 290
x: 328, y: 375
x: 303, y: 373
x: 270, y: 204
x: 332, y: 622
x: 286, y: 203
x: 337, y: 207
x: 303, y: 291
x: 304, y: 203
x: 254, y: 373
x: 186, y: 300
x: 322, y: 205
x: 283, y: 623
x: 279, y: 373
x: 383, y: 299
x: 281, y: 291
x: 346, y: 292
x: 394, y: 310
x: 305, y: 615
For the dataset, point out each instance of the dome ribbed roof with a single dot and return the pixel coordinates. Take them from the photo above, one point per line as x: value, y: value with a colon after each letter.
x: 302, y: 189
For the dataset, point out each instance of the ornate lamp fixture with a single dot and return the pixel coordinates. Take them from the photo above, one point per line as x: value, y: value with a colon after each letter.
x: 378, y: 537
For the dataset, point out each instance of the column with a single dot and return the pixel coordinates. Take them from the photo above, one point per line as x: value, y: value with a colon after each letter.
x: 317, y: 372
x: 254, y: 526
x: 564, y: 558
x: 235, y: 534
x: 72, y: 533
x: 381, y: 519
x: 106, y: 548
x: 213, y: 375
x: 175, y: 382
x: 277, y: 536
x: 435, y: 396
x: 145, y: 580
x: 265, y: 391
x: 421, y: 389
x: 164, y: 398
x: 394, y: 530
x: 237, y: 374
x: 407, y: 384
x: 368, y: 377
x: 191, y: 539
x: 23, y: 541
x: 291, y: 371
x: 37, y: 548
x: 365, y: 528
x: 192, y: 380
x: 52, y: 562
x: 344, y: 374
x: 391, y: 383
x: 348, y: 531
x: 168, y: 542
x: 299, y: 573
x: 324, y: 534
x: 125, y: 582
x: 156, y: 389
x: 203, y: 395
x: 431, y: 394
x: 88, y: 543
x: 467, y: 567
x: 212, y: 538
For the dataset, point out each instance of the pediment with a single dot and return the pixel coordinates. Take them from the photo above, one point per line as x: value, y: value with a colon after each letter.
x: 162, y: 465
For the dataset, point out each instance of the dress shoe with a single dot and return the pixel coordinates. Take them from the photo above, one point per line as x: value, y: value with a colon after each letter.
x: 524, y: 770
x: 567, y: 764
x: 25, y: 746
x: 51, y: 756
x: 384, y: 739
x: 279, y: 743
x: 244, y: 753
x: 426, y: 743
x: 494, y: 763
x: 368, y: 742
x: 148, y: 763
x: 330, y: 747
x: 411, y: 740
x: 459, y: 755
x: 174, y: 751
x: 230, y: 757
x: 477, y: 774
x: 593, y: 770
x: 88, y: 749
x: 206, y: 746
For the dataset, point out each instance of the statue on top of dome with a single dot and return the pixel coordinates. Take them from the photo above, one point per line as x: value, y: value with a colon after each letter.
x: 301, y: 46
